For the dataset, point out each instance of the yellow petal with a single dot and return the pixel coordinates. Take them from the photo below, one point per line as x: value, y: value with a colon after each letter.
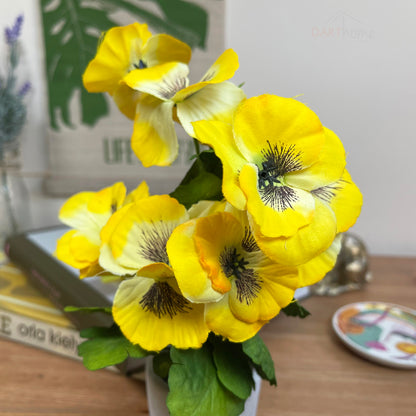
x: 191, y: 277
x: 315, y: 269
x: 139, y: 238
x: 326, y: 170
x: 205, y: 208
x: 154, y: 315
x: 267, y: 121
x: 308, y: 242
x: 83, y: 249
x: 161, y: 81
x: 94, y: 269
x: 223, y: 68
x: 126, y: 99
x: 142, y: 191
x: 219, y: 136
x: 279, y: 210
x: 163, y: 48
x: 213, y: 102
x: 278, y: 284
x: 344, y: 198
x: 210, y: 245
x: 89, y: 211
x: 108, y: 200
x: 74, y: 211
x: 117, y: 53
x: 109, y: 263
x: 221, y: 321
x: 156, y: 271
x: 64, y: 252
x: 154, y: 138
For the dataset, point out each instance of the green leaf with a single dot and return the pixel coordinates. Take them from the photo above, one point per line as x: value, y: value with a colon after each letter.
x: 233, y: 368
x: 204, y: 187
x: 194, y: 389
x: 71, y: 31
x: 203, y: 181
x: 106, y: 347
x: 190, y: 17
x: 87, y: 309
x: 207, y: 161
x: 161, y: 364
x: 260, y: 356
x: 182, y: 19
x: 295, y: 309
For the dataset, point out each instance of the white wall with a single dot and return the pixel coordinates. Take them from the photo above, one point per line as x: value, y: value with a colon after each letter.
x: 354, y: 61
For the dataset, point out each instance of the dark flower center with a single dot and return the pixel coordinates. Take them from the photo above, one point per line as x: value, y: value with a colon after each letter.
x: 326, y: 193
x: 249, y: 244
x: 277, y: 161
x: 152, y: 242
x: 162, y: 299
x: 140, y: 65
x: 247, y: 282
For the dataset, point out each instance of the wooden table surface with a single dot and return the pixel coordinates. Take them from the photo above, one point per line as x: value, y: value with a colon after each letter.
x: 316, y: 374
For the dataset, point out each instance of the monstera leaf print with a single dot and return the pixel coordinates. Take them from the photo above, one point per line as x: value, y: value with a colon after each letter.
x: 71, y: 32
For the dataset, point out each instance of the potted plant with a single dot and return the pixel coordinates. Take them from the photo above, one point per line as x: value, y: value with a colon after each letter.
x: 201, y: 270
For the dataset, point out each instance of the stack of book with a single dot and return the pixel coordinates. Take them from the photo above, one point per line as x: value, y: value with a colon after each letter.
x: 36, y: 287
x: 28, y: 317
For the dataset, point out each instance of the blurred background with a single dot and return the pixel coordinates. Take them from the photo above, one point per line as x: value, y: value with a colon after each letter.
x: 353, y: 62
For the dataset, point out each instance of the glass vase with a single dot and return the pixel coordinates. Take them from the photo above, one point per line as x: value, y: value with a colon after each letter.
x: 14, y: 200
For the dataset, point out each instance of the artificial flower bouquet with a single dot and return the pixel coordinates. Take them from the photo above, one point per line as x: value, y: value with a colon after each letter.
x: 201, y: 270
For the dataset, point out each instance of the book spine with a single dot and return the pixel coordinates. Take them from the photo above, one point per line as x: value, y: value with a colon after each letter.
x: 39, y: 334
x: 61, y: 286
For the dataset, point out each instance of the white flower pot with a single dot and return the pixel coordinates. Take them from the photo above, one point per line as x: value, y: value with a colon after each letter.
x: 157, y: 391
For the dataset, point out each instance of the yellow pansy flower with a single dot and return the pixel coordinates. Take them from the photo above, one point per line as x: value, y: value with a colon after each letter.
x: 135, y: 237
x: 125, y: 49
x: 152, y: 312
x: 224, y: 268
x: 167, y: 95
x: 344, y: 200
x: 149, y: 307
x: 87, y: 213
x: 275, y: 156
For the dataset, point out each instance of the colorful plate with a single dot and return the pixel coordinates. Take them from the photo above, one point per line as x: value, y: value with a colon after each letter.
x: 381, y: 332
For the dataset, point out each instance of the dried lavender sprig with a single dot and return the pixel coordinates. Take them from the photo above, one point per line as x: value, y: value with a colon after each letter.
x: 13, y: 33
x: 26, y: 87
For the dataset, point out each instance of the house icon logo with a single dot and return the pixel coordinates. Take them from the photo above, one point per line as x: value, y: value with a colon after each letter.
x: 343, y: 26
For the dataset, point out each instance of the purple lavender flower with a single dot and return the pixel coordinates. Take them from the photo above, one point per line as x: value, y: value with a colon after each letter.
x: 12, y: 34
x: 26, y: 87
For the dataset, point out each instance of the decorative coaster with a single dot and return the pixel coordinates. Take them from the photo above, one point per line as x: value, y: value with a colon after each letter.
x: 381, y: 332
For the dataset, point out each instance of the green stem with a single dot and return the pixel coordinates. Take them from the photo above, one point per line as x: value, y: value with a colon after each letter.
x: 197, y: 147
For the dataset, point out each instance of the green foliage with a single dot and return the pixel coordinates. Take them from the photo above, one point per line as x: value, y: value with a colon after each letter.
x: 88, y: 309
x: 106, y: 347
x: 260, y: 356
x: 189, y: 20
x: 71, y: 32
x: 12, y: 119
x: 70, y: 44
x: 194, y: 388
x: 295, y: 309
x: 203, y: 181
x: 233, y: 368
x: 162, y: 364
